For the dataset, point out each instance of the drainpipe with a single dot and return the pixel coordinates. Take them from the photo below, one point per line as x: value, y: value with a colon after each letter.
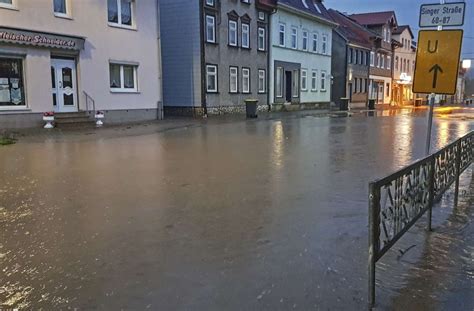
x: 203, y: 57
x: 160, y: 104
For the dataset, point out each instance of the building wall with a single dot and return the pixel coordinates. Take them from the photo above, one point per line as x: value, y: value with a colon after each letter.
x: 181, y: 53
x: 308, y: 60
x: 404, y: 53
x: 103, y: 43
x: 358, y: 70
x: 225, y: 56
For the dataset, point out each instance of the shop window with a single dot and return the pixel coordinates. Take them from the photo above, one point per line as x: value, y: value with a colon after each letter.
x: 279, y: 82
x: 123, y: 78
x: 295, y: 81
x: 120, y: 12
x: 304, y: 80
x: 12, y: 92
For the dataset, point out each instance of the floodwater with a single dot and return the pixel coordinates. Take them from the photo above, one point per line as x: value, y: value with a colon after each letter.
x: 245, y: 215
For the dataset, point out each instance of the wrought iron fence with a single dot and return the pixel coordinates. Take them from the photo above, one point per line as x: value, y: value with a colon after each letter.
x: 397, y: 201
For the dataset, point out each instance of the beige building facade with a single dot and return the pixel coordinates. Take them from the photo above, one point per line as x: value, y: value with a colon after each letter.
x: 70, y: 56
x: 403, y: 66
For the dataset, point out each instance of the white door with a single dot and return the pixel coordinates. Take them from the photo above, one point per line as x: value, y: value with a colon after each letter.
x: 64, y: 86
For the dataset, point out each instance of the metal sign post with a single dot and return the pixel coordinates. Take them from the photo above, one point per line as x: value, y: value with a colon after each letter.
x: 438, y: 54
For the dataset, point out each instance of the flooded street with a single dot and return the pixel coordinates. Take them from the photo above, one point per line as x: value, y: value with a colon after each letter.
x: 249, y: 215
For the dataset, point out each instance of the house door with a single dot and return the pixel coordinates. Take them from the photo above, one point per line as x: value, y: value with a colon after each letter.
x: 288, y: 86
x: 64, y: 86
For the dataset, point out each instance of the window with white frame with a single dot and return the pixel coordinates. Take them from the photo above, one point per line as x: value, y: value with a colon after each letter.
x: 123, y: 77
x: 304, y: 80
x: 356, y: 61
x: 314, y: 80
x: 261, y: 15
x: 351, y: 53
x: 279, y: 82
x: 315, y: 43
x: 60, y: 7
x: 324, y: 47
x: 281, y: 34
x: 379, y: 60
x: 261, y: 39
x: 294, y: 37
x: 305, y: 40
x: 12, y: 87
x: 383, y: 61
x: 356, y: 84
x: 323, y: 81
x: 389, y: 62
x: 232, y: 33
x: 9, y: 4
x: 295, y: 82
x: 120, y: 12
x: 262, y: 83
x: 246, y: 80
x: 210, y: 2
x: 233, y: 79
x: 211, y: 78
x: 372, y: 59
x: 210, y: 28
x: 245, y: 35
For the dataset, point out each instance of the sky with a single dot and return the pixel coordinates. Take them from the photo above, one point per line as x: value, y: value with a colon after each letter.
x: 407, y: 12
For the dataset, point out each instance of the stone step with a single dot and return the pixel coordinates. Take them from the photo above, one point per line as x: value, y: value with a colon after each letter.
x: 66, y: 115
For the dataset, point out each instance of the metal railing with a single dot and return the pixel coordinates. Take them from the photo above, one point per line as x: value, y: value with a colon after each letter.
x: 90, y: 104
x: 397, y: 201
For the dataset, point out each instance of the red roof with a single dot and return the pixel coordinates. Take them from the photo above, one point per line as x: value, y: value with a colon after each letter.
x: 375, y: 18
x: 267, y: 4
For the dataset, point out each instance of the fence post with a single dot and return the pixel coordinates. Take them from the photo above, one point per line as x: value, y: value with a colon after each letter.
x: 458, y: 172
x: 374, y: 235
x: 431, y: 189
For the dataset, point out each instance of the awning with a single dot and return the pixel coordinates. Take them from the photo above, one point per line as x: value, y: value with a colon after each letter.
x: 41, y: 39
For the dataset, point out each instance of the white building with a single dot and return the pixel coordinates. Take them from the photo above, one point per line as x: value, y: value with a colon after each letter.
x: 65, y: 55
x: 403, y: 66
x: 300, y: 55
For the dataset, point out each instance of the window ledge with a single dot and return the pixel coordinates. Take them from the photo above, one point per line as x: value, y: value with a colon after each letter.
x: 114, y: 25
x: 323, y: 90
x: 14, y: 109
x: 211, y: 43
x: 212, y: 92
x: 122, y: 91
x: 61, y: 15
x: 9, y: 7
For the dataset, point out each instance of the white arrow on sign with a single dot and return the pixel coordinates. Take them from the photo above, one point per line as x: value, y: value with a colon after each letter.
x: 449, y: 14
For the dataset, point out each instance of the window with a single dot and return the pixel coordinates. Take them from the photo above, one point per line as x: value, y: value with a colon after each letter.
x: 279, y: 82
x: 262, y: 77
x: 389, y: 62
x: 304, y: 80
x: 379, y: 60
x: 351, y: 53
x: 210, y: 29
x: 210, y: 2
x: 356, y: 80
x: 123, y: 78
x: 261, y: 39
x: 408, y: 66
x: 12, y: 91
x: 323, y: 81
x: 120, y: 12
x: 211, y: 78
x: 245, y: 35
x: 387, y: 88
x: 233, y: 79
x: 314, y: 80
x: 305, y: 40
x: 261, y: 16
x: 60, y: 8
x: 233, y: 33
x: 315, y: 43
x: 372, y: 59
x: 367, y: 59
x: 396, y: 62
x: 383, y: 61
x: 356, y: 57
x: 295, y: 81
x: 9, y: 4
x: 325, y: 44
x: 360, y: 85
x: 246, y: 80
x: 281, y: 34
x: 294, y: 37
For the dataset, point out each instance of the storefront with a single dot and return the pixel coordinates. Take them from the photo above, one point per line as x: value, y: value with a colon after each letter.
x: 402, y: 90
x: 380, y: 89
x: 33, y: 66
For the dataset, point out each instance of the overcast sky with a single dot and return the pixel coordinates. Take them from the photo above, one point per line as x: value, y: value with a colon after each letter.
x: 407, y: 12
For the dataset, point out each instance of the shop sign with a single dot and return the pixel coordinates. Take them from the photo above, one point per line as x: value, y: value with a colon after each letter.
x: 26, y: 37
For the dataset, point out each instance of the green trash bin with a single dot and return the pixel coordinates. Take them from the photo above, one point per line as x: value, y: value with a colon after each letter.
x: 251, y: 108
x: 371, y: 104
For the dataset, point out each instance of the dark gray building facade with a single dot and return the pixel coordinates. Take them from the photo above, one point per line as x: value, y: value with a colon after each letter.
x: 215, y: 55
